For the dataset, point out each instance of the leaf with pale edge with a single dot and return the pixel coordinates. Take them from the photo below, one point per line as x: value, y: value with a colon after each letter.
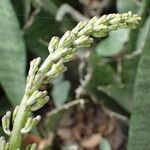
x: 12, y: 54
x: 140, y: 119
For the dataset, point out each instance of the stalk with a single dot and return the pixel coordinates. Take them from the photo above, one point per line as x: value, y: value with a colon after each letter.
x: 16, y: 136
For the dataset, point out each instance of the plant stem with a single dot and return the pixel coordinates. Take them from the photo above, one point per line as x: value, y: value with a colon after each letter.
x: 65, y: 107
x: 16, y: 136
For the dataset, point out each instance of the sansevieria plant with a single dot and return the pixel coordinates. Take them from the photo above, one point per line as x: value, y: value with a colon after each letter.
x: 61, y: 50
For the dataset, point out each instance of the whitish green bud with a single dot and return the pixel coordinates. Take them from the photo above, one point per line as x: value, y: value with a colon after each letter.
x: 69, y: 57
x: 45, y: 66
x: 79, y: 27
x: 113, y: 27
x: 130, y: 13
x: 60, y: 53
x: 101, y: 20
x: 34, y: 65
x: 32, y: 99
x: 2, y: 143
x: 83, y: 41
x: 93, y: 20
x: 41, y: 94
x: 99, y: 34
x: 55, y: 71
x: 6, y: 122
x: 70, y: 51
x: 53, y: 44
x: 100, y: 28
x: 110, y: 16
x: 130, y: 20
x: 15, y: 112
x: 115, y: 20
x: 123, y: 25
x: 31, y: 75
x: 59, y: 66
x: 86, y: 30
x: 67, y: 39
x: 67, y: 51
x: 40, y: 103
x: 126, y: 15
x: 68, y: 54
x: 30, y: 124
x: 36, y: 96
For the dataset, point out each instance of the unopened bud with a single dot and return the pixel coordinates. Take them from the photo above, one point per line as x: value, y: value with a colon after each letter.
x: 6, y: 122
x: 30, y: 124
x: 53, y: 44
x: 67, y: 39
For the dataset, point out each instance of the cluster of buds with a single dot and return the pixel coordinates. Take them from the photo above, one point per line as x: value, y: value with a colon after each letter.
x: 61, y: 50
x: 30, y: 123
x: 81, y: 35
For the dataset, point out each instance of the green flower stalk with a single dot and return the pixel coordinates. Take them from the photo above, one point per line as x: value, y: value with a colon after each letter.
x: 61, y: 50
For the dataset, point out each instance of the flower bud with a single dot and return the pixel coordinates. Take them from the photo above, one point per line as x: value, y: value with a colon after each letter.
x: 99, y: 34
x: 55, y: 71
x: 79, y: 27
x: 30, y: 124
x: 115, y: 20
x: 40, y: 103
x: 101, y: 20
x: 100, y: 28
x: 67, y: 39
x: 53, y: 44
x: 31, y: 75
x: 2, y: 143
x: 69, y: 57
x: 6, y: 122
x: 83, y: 41
x: 93, y: 20
x: 86, y: 30
x: 15, y: 112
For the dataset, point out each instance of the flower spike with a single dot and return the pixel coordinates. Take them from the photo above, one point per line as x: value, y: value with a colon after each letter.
x: 61, y: 50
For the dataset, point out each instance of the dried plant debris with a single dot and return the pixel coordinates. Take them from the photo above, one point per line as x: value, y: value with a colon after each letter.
x: 87, y: 127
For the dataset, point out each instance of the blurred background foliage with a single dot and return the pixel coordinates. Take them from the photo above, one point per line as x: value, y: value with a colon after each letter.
x: 105, y: 76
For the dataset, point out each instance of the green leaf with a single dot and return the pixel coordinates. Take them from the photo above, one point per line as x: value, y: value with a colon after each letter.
x: 12, y: 54
x: 102, y: 73
x: 123, y: 94
x: 126, y: 5
x: 38, y: 35
x: 60, y: 91
x: 113, y: 44
x: 140, y: 119
x: 142, y: 35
